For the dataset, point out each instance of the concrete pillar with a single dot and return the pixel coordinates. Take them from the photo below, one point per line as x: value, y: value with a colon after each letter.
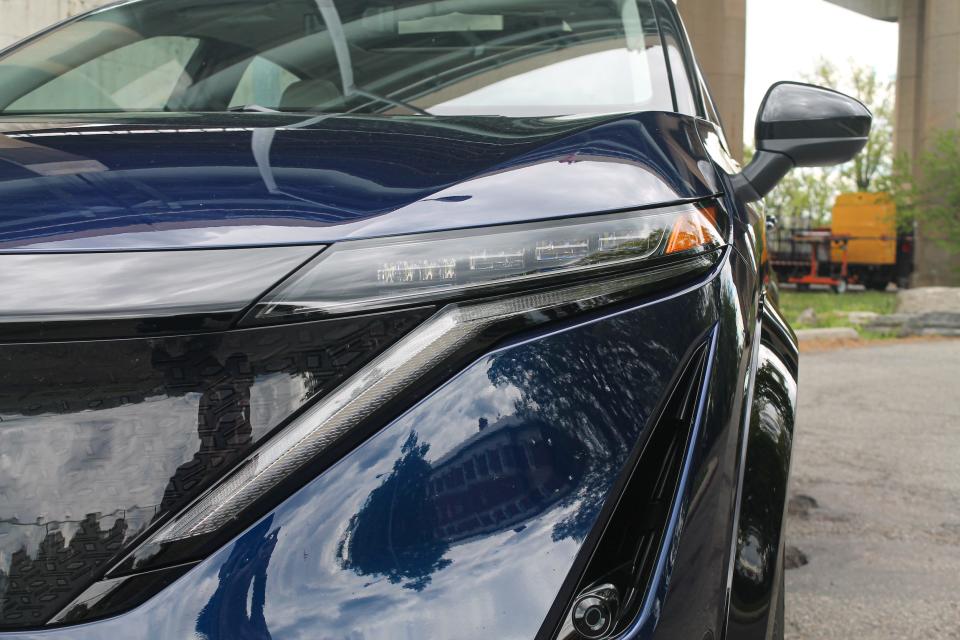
x: 908, y: 133
x: 718, y: 31
x: 21, y: 18
x: 928, y: 98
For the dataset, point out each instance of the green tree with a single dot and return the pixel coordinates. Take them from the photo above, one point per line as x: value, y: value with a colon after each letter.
x: 872, y: 164
x: 928, y: 191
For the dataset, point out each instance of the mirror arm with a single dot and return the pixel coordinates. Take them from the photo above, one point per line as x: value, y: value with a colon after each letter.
x: 760, y: 176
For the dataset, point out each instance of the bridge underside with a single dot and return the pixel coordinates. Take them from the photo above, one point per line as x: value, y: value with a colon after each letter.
x: 880, y: 9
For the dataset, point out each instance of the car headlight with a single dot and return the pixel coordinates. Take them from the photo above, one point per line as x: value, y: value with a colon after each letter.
x: 365, y: 275
x: 494, y: 281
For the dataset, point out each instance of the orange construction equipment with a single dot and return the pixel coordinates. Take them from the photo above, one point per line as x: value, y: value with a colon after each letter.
x: 869, y: 219
x: 862, y: 246
x: 834, y: 245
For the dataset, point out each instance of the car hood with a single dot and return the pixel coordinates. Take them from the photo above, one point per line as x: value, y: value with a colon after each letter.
x: 140, y: 182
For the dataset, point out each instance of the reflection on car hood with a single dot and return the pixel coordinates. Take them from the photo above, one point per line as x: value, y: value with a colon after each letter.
x: 214, y: 180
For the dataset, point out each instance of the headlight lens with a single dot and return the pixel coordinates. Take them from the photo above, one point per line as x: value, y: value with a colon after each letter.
x: 364, y: 275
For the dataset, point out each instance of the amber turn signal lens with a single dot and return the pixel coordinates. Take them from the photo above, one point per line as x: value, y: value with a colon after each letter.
x: 694, y: 228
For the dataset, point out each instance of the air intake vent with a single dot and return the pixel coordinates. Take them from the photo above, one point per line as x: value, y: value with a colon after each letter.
x: 612, y: 586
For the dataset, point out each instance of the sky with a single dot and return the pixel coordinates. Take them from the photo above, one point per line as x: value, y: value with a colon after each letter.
x: 786, y: 37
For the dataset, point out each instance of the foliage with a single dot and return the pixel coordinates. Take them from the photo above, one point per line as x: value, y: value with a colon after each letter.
x: 928, y: 192
x: 805, y: 197
x: 395, y: 533
x: 863, y: 83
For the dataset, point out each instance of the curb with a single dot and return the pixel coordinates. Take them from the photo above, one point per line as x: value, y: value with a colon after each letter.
x: 833, y: 333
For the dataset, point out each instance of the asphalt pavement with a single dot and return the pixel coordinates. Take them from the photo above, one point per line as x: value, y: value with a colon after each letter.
x: 875, y: 494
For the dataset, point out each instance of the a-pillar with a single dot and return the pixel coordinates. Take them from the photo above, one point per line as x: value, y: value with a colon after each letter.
x: 718, y: 31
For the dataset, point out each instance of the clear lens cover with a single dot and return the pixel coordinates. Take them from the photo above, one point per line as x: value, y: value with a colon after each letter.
x: 363, y: 275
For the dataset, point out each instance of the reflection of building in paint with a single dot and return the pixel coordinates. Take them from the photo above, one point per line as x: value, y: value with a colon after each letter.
x: 46, y: 161
x: 34, y: 583
x: 503, y: 476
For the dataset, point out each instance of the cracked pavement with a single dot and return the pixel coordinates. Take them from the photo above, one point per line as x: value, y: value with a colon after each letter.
x: 875, y: 494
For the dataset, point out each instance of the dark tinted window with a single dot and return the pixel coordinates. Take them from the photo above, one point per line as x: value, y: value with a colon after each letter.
x: 503, y: 57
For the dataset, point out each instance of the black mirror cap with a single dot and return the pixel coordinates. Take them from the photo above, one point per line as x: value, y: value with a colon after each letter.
x: 802, y: 125
x: 813, y: 126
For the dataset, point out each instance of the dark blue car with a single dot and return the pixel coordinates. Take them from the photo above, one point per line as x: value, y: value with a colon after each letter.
x: 361, y: 319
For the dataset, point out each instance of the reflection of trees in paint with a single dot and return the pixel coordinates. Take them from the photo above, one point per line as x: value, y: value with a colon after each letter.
x: 598, y: 392
x: 500, y: 478
x: 395, y: 534
x: 235, y: 610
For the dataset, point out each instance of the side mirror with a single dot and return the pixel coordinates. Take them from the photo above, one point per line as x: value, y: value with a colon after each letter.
x: 800, y: 125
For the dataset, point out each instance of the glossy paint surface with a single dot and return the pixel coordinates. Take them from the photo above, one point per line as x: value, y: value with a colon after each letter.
x: 794, y: 110
x: 812, y: 126
x: 688, y: 597
x: 757, y: 569
x: 462, y: 518
x: 100, y: 438
x: 49, y: 296
x: 259, y: 179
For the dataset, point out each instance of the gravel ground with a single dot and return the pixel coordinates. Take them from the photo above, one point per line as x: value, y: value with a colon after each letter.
x: 875, y: 494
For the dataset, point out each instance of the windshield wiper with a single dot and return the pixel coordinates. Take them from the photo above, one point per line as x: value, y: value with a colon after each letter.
x: 251, y: 108
x: 397, y: 103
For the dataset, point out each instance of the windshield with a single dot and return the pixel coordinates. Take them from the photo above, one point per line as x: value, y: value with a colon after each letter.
x: 449, y: 57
